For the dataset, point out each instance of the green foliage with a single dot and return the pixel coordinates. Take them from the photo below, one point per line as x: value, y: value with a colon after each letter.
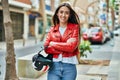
x: 85, y: 46
x: 111, y: 3
x: 116, y: 7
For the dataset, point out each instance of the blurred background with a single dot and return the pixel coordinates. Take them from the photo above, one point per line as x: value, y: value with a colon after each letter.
x: 32, y: 19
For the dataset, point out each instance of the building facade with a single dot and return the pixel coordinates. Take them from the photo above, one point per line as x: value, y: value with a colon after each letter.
x: 19, y: 17
x: 26, y: 18
x: 117, y: 13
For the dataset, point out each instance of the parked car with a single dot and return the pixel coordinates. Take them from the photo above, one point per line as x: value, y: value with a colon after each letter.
x: 107, y: 33
x: 94, y: 34
x: 116, y: 32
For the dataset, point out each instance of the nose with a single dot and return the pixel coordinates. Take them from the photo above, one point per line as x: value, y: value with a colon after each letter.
x: 63, y: 14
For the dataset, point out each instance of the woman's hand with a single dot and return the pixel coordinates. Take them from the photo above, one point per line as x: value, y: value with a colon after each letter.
x: 71, y: 40
x: 51, y: 43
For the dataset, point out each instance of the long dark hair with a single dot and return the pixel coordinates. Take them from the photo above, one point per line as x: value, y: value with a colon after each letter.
x: 73, y: 16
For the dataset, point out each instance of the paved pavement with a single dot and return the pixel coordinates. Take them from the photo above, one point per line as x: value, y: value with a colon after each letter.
x: 85, y: 72
x: 114, y: 68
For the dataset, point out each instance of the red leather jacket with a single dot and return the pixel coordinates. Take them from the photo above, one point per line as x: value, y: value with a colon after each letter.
x: 60, y: 45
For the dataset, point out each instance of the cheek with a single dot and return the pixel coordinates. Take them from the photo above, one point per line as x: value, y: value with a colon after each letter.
x: 58, y: 15
x: 68, y: 16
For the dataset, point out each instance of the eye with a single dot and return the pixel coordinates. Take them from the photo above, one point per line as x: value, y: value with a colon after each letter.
x: 67, y: 12
x: 61, y: 12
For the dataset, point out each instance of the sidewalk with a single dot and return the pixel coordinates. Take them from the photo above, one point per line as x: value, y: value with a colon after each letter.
x: 114, y: 68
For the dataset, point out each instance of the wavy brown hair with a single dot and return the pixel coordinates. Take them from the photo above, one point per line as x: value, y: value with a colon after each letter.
x: 73, y: 16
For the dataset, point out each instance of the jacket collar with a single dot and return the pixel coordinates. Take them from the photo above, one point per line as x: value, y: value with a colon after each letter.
x: 56, y: 28
x: 67, y: 32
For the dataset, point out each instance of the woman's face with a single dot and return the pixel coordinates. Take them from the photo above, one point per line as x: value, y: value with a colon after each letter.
x: 63, y: 14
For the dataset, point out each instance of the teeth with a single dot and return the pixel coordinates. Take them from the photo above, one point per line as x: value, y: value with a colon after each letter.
x: 63, y: 18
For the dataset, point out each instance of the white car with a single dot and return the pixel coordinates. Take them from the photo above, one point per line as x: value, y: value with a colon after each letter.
x: 107, y: 33
x: 116, y: 32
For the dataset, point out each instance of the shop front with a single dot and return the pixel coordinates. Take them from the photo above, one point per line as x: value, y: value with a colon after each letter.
x: 2, y: 37
x: 17, y: 24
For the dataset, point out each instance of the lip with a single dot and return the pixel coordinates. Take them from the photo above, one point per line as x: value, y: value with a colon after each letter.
x: 63, y: 19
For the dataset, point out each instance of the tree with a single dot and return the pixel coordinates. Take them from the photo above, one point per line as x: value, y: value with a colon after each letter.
x: 10, y: 55
x: 83, y: 9
x: 112, y: 6
x: 44, y: 17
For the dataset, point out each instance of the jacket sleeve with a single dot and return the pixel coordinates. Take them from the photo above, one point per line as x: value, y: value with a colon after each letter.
x: 68, y: 46
x: 49, y: 49
x: 48, y: 38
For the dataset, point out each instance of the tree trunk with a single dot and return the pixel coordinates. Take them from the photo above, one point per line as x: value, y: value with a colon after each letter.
x: 44, y: 16
x: 10, y: 55
x: 107, y: 1
x: 113, y: 17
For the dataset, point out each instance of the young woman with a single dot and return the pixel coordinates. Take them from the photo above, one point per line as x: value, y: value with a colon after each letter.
x: 62, y: 42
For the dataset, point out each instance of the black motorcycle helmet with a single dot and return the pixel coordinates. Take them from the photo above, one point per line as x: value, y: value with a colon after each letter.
x: 41, y: 63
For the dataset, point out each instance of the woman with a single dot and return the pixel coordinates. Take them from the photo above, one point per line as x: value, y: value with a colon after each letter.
x: 62, y: 42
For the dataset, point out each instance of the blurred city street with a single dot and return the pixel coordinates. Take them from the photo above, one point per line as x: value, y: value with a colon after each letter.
x: 31, y: 20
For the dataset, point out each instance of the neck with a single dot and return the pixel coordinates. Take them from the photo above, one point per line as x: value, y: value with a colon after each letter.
x: 63, y: 24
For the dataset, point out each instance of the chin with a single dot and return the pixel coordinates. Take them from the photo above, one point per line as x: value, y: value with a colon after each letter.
x: 63, y: 21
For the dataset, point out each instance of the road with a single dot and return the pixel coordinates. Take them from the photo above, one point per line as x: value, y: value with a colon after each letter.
x: 100, y: 52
